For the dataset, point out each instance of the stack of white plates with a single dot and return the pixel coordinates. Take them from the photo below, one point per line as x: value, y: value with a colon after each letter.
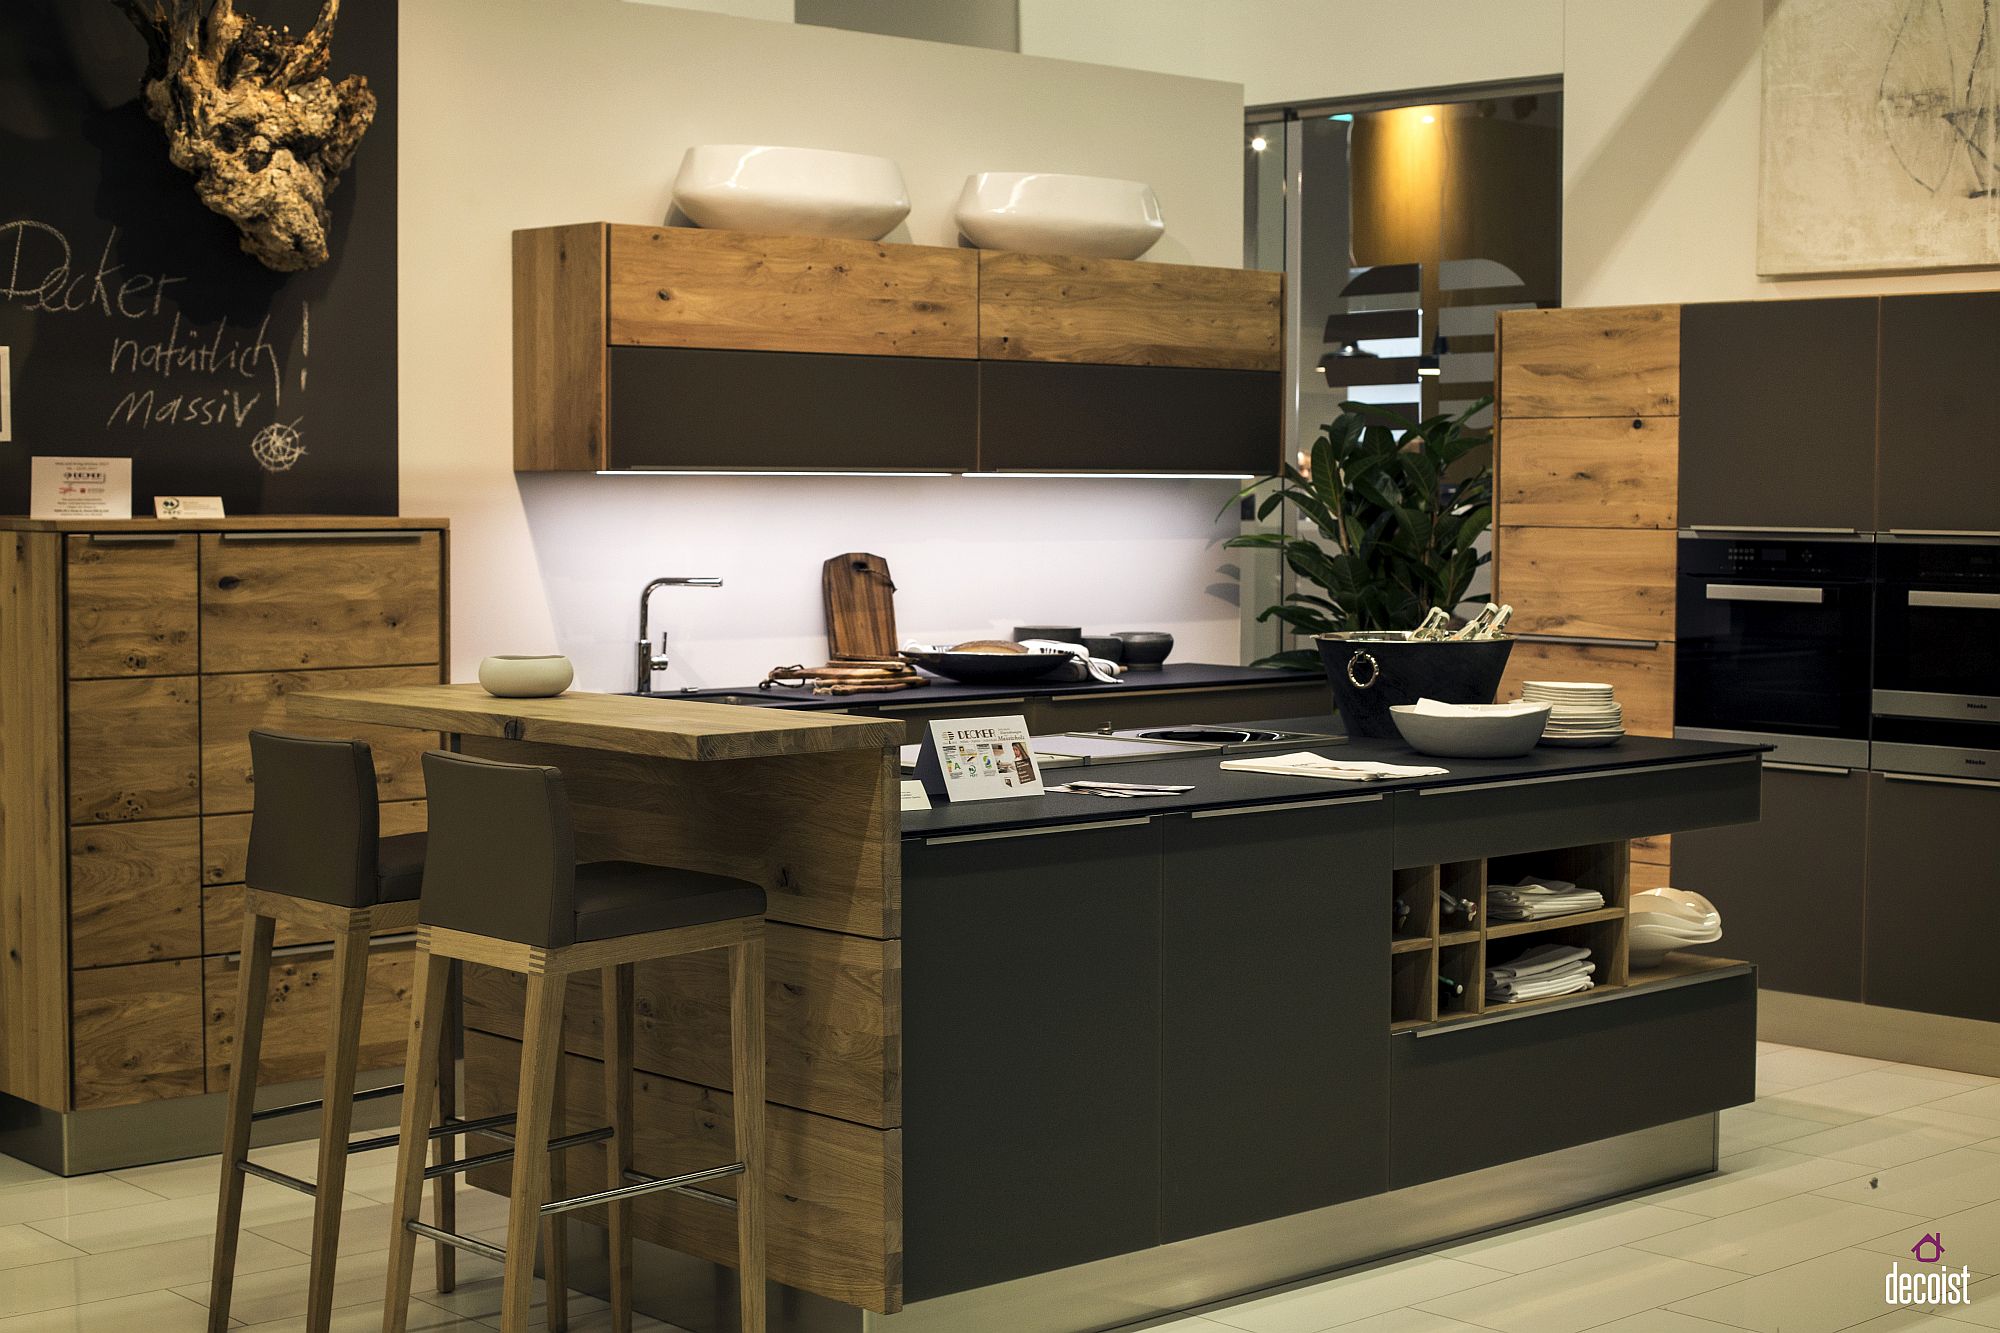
x: 1663, y: 920
x: 1581, y: 713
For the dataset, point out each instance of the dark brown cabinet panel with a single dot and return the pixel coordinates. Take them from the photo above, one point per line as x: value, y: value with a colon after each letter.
x: 1790, y: 887
x: 1043, y: 417
x: 1933, y: 896
x: 1778, y: 414
x: 687, y: 408
x: 1938, y: 417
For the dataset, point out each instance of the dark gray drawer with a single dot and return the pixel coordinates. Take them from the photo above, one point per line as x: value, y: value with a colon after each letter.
x: 1475, y: 1094
x: 1439, y: 824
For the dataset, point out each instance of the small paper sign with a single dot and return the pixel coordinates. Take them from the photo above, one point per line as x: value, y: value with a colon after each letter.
x: 187, y: 506
x: 978, y: 759
x: 914, y: 795
x: 80, y: 488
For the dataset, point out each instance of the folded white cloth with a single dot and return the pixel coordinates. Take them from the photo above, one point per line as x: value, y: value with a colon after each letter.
x: 1566, y: 985
x: 1438, y: 708
x: 1540, y: 959
x: 1534, y: 902
x: 1306, y: 764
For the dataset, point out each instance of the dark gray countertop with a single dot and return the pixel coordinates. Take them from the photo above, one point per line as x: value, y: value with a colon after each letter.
x: 1215, y: 787
x: 1172, y: 676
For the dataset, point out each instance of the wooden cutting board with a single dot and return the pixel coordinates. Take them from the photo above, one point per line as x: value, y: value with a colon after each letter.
x: 860, y: 607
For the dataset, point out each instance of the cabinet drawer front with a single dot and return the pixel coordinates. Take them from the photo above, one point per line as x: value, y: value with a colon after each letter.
x: 225, y: 842
x: 1628, y: 1061
x: 1588, y: 582
x: 1124, y: 312
x: 135, y: 1033
x: 1933, y: 897
x: 1039, y: 417
x: 1616, y: 361
x: 275, y: 602
x: 1589, y: 472
x: 134, y: 749
x: 134, y: 892
x: 686, y: 287
x: 1643, y: 678
x: 132, y: 607
x: 232, y: 705
x: 298, y: 1019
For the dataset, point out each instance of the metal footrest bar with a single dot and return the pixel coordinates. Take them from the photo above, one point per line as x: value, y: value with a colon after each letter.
x: 250, y: 1168
x: 458, y: 1242
x: 694, y: 1191
x: 448, y: 1130
x: 562, y: 1144
x: 645, y: 1185
x: 319, y: 1103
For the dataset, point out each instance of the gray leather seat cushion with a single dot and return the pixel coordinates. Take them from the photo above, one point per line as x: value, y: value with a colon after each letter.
x: 615, y: 898
x: 399, y: 867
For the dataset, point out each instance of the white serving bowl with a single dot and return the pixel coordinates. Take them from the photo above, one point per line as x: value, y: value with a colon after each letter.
x: 512, y: 677
x: 1663, y: 920
x: 1491, y: 731
x: 814, y: 191
x: 1095, y: 216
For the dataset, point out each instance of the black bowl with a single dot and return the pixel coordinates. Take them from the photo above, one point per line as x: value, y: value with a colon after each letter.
x: 1107, y: 646
x: 982, y: 668
x: 1145, y: 649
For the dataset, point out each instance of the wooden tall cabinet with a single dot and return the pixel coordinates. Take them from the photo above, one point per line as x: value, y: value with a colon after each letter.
x: 135, y: 657
x: 1586, y: 463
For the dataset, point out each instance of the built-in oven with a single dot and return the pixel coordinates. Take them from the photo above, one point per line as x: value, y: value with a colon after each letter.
x: 1937, y: 658
x: 1772, y: 644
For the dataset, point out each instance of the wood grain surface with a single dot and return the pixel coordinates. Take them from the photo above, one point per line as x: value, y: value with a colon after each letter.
x: 133, y: 610
x: 34, y: 916
x: 834, y: 1197
x: 226, y: 842
x: 134, y: 749
x: 1608, y: 361
x: 238, y: 523
x: 299, y: 1021
x: 1589, y: 582
x: 278, y: 605
x: 232, y: 705
x: 691, y: 287
x: 559, y: 348
x: 1642, y: 679
x: 860, y: 608
x: 135, y: 892
x: 1589, y: 472
x: 137, y: 1033
x: 1125, y: 312
x: 663, y: 728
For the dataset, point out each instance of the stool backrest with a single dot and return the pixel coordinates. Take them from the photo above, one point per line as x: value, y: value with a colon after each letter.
x: 502, y: 856
x: 314, y: 826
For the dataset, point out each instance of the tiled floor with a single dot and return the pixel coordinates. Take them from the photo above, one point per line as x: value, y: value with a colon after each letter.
x: 1836, y: 1170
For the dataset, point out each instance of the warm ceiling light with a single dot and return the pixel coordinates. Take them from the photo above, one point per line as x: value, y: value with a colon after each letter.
x: 1259, y: 144
x: 1430, y: 120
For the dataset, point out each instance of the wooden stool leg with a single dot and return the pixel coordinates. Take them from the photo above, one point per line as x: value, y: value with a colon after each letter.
x: 618, y: 990
x: 252, y: 982
x: 446, y: 1187
x: 555, y: 1262
x: 343, y: 1051
x: 419, y: 1073
x: 746, y: 1041
x: 534, y: 1111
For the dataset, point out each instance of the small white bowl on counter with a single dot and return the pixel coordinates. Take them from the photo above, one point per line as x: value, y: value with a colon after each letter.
x: 532, y: 677
x: 1470, y: 731
x: 1096, y: 217
x: 813, y: 191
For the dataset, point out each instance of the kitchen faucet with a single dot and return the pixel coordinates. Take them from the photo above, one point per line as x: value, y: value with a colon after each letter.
x: 649, y: 661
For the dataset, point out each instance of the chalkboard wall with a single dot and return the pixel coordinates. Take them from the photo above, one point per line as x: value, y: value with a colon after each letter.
x: 138, y: 329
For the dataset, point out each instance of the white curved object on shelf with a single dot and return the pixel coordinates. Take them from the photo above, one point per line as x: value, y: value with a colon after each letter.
x: 1663, y: 920
x: 1095, y: 216
x: 813, y: 191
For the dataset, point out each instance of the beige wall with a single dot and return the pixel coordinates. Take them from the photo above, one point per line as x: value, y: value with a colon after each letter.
x: 530, y: 114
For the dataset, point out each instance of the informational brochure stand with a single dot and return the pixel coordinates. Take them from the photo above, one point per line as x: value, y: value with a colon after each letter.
x: 978, y: 759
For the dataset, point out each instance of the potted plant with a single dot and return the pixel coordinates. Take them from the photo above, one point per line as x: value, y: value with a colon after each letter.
x: 1394, y: 534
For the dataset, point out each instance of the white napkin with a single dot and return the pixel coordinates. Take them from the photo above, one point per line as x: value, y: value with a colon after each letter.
x: 1306, y: 764
x: 1100, y: 669
x: 1438, y: 708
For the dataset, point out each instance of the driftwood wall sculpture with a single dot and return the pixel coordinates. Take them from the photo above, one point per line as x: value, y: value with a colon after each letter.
x: 251, y: 115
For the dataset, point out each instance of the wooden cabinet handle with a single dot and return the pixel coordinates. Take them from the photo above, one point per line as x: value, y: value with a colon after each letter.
x: 134, y: 538
x: 402, y: 535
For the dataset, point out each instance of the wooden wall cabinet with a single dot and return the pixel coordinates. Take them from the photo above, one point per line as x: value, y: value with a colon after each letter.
x: 135, y: 657
x: 667, y: 348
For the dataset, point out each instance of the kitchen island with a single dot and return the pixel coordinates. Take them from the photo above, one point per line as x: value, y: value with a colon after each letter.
x: 1061, y: 1063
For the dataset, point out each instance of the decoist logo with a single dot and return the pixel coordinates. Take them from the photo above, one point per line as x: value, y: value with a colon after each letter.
x: 1938, y: 1286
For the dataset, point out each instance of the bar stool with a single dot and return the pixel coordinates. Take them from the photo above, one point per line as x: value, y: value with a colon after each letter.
x: 316, y: 860
x: 503, y: 888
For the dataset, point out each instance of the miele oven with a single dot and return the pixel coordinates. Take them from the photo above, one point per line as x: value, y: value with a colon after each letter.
x: 1772, y: 644
x: 1936, y: 699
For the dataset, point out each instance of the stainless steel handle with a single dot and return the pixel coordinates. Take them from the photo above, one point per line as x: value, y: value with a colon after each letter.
x: 1001, y: 834
x: 1582, y: 1001
x: 1930, y: 780
x: 970, y: 703
x: 1584, y: 641
x: 1964, y: 601
x: 1765, y: 527
x: 1765, y: 592
x: 377, y: 535
x: 1973, y: 533
x: 1583, y: 777
x: 1284, y: 805
x: 1828, y: 769
x: 134, y: 538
